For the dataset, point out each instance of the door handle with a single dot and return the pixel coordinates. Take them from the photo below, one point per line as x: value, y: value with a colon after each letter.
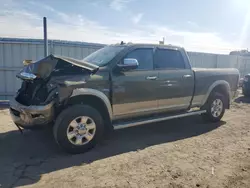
x: 187, y: 76
x: 151, y: 77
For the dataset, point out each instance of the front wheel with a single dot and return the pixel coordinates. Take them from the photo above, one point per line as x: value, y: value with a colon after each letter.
x: 215, y: 107
x: 78, y: 128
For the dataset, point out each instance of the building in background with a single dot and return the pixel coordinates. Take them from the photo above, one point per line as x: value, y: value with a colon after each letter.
x: 240, y: 53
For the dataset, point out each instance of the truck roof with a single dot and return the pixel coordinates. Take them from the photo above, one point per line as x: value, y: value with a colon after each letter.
x: 169, y: 46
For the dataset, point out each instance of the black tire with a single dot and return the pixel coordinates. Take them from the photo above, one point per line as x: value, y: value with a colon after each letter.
x: 63, y: 121
x: 208, y: 116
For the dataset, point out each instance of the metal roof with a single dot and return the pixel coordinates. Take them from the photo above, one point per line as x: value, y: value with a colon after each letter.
x: 39, y: 41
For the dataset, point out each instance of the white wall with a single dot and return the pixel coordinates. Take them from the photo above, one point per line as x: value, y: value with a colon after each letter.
x: 205, y: 60
x: 13, y: 52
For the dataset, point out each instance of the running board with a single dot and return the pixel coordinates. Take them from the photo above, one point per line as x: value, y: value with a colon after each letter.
x: 150, y: 120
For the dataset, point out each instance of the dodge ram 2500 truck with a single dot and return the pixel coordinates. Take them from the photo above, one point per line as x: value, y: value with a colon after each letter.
x: 116, y: 87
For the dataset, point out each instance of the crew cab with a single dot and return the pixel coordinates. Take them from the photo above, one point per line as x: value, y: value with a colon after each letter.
x: 116, y: 87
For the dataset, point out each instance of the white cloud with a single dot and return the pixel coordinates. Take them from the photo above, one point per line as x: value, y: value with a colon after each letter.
x: 244, y: 36
x: 20, y: 24
x: 192, y: 24
x: 118, y: 4
x: 137, y: 18
x: 75, y: 27
x: 42, y: 5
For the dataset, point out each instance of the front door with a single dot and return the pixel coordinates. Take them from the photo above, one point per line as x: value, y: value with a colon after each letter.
x: 134, y: 91
x: 175, y: 82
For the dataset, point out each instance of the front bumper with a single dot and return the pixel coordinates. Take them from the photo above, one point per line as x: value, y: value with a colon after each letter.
x: 31, y: 116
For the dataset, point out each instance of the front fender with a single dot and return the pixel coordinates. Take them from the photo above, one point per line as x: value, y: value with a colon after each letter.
x: 94, y: 92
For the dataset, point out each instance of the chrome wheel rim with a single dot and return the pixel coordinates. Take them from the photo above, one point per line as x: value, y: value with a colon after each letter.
x: 217, y: 108
x: 81, y: 130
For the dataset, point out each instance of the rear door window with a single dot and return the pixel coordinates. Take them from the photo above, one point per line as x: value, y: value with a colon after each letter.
x: 169, y: 59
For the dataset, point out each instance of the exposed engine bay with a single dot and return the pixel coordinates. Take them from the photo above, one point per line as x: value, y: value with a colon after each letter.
x: 44, y: 79
x: 36, y: 92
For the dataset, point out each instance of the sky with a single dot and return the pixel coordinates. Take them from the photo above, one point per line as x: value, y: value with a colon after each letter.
x: 215, y: 26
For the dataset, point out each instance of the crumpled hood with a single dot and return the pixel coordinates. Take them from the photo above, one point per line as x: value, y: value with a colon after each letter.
x: 79, y: 63
x: 44, y: 67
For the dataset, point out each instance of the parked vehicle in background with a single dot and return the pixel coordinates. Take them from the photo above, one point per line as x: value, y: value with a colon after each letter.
x: 116, y: 87
x: 246, y: 85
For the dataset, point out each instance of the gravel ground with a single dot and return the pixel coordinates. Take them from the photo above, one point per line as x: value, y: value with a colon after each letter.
x: 178, y: 153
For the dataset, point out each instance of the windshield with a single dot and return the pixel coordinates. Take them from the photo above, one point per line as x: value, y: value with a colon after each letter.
x: 104, y: 55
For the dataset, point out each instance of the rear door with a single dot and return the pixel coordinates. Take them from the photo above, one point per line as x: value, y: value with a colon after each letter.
x: 134, y: 90
x: 175, y: 82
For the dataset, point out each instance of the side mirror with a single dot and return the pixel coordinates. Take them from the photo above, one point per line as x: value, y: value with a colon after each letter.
x: 129, y: 63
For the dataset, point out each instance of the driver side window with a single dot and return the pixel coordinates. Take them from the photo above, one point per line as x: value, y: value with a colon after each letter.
x: 144, y: 57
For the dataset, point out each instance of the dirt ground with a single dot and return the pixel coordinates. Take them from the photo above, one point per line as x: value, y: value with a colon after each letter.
x: 176, y: 154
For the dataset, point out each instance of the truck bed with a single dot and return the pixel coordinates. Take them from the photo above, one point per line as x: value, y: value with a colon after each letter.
x: 205, y: 79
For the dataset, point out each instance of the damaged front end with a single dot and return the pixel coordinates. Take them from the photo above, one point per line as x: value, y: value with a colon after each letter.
x: 45, y: 85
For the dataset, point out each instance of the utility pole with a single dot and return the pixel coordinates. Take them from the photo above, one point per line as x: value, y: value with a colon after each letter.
x: 45, y: 39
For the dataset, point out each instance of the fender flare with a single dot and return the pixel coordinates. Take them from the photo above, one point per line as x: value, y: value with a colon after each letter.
x: 94, y: 92
x: 215, y: 84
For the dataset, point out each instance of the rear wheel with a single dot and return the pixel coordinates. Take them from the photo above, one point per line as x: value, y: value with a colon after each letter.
x: 78, y: 128
x: 215, y: 107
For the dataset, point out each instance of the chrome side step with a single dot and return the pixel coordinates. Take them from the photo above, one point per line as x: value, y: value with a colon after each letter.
x: 141, y: 122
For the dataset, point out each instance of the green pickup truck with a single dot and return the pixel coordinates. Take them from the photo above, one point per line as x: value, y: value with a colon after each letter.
x: 116, y: 87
